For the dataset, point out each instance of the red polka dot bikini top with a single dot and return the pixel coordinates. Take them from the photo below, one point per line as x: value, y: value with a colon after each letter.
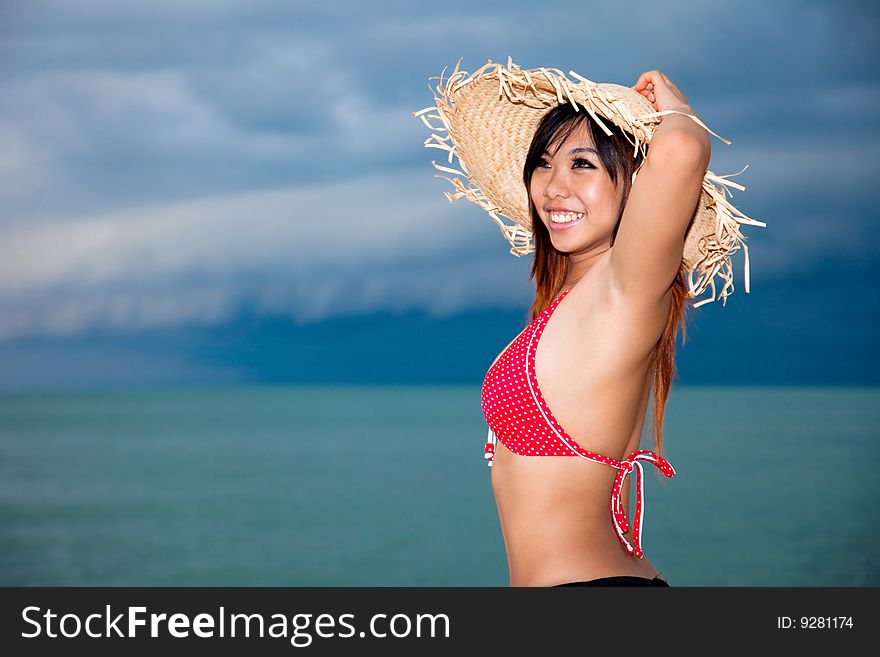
x: 518, y: 415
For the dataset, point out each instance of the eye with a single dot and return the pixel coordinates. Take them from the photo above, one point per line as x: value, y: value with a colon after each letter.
x: 581, y: 163
x: 542, y: 163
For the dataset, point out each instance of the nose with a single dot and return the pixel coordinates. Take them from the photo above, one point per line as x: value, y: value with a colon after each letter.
x: 558, y: 184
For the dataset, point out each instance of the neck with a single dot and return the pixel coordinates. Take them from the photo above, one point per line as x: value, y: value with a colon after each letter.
x: 580, y: 264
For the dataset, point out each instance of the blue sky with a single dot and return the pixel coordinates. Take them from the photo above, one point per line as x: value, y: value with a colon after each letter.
x: 237, y: 192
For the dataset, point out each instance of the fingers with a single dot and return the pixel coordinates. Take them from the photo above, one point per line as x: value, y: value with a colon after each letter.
x: 645, y: 86
x: 649, y: 78
x: 652, y: 82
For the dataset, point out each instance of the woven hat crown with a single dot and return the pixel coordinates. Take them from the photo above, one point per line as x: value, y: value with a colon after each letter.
x: 487, y: 120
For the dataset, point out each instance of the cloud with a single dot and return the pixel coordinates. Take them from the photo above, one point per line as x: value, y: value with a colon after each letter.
x: 356, y: 245
x: 169, y: 163
x: 281, y: 113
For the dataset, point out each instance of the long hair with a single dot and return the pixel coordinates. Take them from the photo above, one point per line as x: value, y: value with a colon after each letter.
x: 550, y: 267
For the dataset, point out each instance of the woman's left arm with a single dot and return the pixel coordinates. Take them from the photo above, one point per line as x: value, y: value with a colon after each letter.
x: 649, y: 245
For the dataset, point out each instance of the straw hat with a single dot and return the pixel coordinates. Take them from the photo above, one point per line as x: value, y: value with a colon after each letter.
x: 489, y: 118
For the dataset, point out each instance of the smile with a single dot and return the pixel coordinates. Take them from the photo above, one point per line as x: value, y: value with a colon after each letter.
x: 565, y: 217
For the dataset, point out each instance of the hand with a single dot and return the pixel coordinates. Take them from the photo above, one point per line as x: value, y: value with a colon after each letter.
x: 659, y: 89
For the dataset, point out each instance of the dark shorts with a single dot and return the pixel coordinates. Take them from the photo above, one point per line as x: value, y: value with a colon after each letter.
x: 620, y: 580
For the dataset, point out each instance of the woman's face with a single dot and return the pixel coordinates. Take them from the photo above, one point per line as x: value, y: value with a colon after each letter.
x: 574, y: 196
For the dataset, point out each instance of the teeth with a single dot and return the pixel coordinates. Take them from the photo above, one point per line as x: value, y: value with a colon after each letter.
x: 565, y: 217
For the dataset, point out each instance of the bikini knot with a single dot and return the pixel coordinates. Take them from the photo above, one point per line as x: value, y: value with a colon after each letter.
x: 618, y: 513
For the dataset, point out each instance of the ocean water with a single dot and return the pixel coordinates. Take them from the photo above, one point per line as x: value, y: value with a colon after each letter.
x: 387, y: 486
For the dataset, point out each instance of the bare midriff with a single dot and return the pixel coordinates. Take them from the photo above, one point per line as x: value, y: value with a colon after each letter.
x: 555, y: 515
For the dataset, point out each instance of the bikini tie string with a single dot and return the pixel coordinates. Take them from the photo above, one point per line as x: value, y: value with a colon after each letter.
x: 489, y: 451
x: 621, y: 524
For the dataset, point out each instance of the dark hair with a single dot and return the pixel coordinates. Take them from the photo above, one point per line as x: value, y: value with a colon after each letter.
x: 550, y: 266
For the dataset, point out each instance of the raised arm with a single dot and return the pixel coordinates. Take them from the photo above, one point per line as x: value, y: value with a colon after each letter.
x: 649, y: 245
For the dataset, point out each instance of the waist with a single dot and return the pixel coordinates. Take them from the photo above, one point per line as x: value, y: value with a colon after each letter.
x: 544, y: 549
x: 619, y: 492
x: 551, y: 501
x: 559, y: 520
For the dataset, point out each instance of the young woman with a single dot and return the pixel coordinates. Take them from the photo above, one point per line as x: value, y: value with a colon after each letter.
x: 611, y: 264
x: 617, y: 252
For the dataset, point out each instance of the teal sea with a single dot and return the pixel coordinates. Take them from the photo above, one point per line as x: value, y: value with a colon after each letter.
x: 387, y: 486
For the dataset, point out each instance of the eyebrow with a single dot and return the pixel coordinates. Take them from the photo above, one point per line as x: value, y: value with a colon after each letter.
x: 575, y: 151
